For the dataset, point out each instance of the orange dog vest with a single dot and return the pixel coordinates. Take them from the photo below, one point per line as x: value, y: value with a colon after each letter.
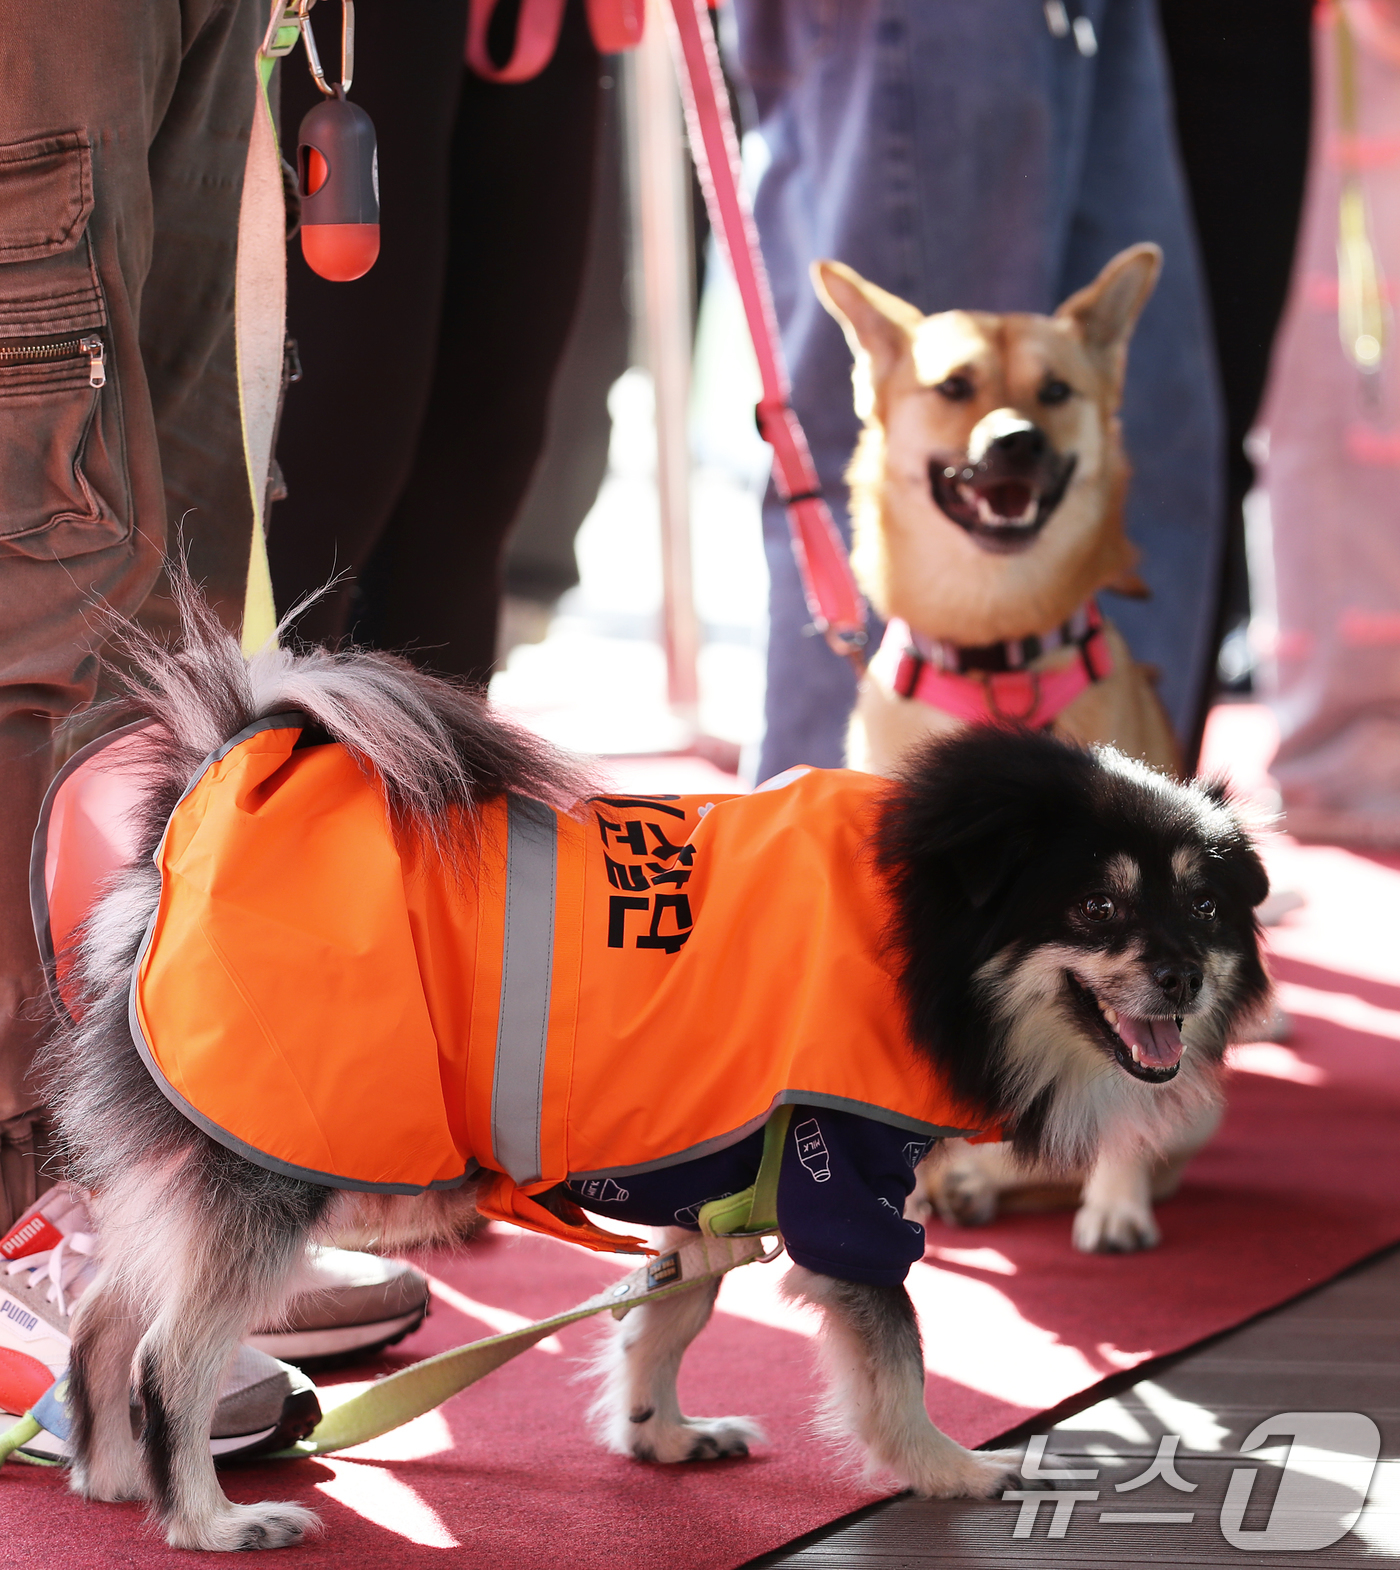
x: 592, y: 995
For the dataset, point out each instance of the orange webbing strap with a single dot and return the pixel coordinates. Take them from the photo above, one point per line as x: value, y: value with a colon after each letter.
x: 499, y: 1198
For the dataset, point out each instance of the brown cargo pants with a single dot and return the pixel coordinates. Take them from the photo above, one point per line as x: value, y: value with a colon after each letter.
x: 123, y: 132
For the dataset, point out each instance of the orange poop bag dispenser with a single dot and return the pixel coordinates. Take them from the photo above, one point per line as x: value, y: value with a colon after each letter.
x: 338, y: 172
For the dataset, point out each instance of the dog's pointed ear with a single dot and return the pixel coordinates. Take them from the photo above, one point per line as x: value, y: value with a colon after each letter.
x: 1106, y: 311
x: 984, y: 871
x: 1238, y: 853
x: 988, y: 853
x: 1250, y: 874
x: 1129, y: 585
x: 878, y: 325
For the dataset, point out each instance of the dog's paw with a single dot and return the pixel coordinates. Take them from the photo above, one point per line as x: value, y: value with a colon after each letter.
x: 1123, y: 1227
x: 692, y: 1438
x: 238, y: 1527
x: 964, y: 1196
x: 954, y: 1473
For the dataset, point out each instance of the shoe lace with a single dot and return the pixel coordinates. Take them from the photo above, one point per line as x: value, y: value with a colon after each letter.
x: 64, y: 1264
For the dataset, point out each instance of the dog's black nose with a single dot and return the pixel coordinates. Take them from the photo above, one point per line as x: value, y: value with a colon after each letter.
x: 1180, y: 983
x: 1022, y: 444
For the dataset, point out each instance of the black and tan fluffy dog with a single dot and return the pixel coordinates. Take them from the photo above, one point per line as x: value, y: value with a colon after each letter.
x: 1073, y: 936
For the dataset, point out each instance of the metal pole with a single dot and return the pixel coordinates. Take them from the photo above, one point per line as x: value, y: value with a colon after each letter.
x: 662, y: 214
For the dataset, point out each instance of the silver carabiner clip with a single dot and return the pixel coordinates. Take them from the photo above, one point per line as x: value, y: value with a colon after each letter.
x: 347, y: 46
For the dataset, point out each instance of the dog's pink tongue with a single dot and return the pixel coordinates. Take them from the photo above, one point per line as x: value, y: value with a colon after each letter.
x: 1158, y: 1040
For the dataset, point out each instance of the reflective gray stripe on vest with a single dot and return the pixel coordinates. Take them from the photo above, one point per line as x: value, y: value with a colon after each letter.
x: 527, y: 960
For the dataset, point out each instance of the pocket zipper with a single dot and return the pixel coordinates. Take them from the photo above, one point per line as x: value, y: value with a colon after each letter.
x: 66, y: 349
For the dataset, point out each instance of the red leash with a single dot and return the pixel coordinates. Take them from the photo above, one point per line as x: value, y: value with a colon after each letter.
x: 835, y: 603
x: 833, y: 600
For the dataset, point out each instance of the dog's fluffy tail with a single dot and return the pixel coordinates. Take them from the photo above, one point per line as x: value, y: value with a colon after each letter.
x: 432, y: 744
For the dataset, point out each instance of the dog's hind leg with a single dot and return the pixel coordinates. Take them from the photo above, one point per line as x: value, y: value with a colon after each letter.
x: 230, y: 1240
x: 638, y: 1410
x: 107, y: 1325
x: 875, y: 1393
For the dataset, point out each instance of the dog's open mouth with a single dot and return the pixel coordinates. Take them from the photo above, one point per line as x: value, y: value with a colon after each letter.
x: 1147, y: 1047
x: 1003, y: 513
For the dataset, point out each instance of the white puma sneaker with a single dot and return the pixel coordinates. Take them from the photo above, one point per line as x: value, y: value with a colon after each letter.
x: 347, y: 1306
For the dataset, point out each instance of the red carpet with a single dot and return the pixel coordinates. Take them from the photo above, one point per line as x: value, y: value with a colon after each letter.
x: 1303, y: 1180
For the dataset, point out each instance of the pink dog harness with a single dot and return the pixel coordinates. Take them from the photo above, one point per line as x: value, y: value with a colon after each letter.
x: 992, y: 684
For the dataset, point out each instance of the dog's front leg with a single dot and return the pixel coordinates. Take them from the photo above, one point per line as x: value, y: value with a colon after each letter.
x: 1116, y: 1214
x: 961, y: 1182
x: 638, y: 1410
x: 874, y: 1364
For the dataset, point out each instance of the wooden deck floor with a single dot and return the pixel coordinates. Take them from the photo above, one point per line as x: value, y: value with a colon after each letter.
x: 1336, y: 1350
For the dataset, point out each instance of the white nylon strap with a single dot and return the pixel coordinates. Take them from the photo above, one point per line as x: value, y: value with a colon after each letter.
x: 260, y: 316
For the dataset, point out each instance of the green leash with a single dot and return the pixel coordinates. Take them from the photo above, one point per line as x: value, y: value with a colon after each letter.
x: 398, y: 1399
x: 755, y: 1210
x: 733, y: 1233
x: 412, y: 1391
x: 23, y: 1431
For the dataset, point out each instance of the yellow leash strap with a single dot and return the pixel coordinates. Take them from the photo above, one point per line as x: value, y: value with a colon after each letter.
x: 260, y: 315
x: 754, y: 1210
x: 25, y: 1428
x: 419, y: 1388
x: 732, y: 1234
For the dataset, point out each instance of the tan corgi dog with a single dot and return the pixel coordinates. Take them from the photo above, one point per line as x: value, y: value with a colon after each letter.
x: 987, y: 503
